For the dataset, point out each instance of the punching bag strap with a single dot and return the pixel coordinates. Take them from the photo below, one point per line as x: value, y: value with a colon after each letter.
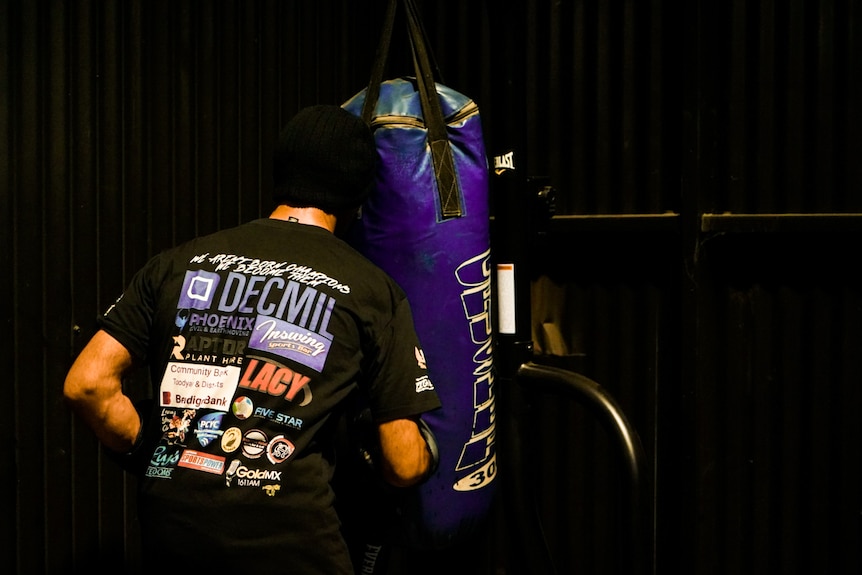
x: 373, y: 91
x: 438, y: 138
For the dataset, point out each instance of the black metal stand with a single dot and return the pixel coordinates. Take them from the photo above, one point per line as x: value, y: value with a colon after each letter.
x: 637, y: 506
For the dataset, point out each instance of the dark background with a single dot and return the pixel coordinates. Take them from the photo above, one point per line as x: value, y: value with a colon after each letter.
x: 700, y: 265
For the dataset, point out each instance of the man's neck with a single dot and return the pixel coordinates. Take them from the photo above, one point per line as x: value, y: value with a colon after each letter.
x: 308, y: 216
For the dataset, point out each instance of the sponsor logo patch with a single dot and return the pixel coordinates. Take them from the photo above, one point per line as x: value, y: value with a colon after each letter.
x: 231, y: 440
x: 202, y: 461
x: 254, y: 443
x: 209, y: 428
x: 279, y: 449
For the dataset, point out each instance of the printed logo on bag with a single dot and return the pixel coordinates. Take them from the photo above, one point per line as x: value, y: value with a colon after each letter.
x: 478, y: 456
x: 504, y: 162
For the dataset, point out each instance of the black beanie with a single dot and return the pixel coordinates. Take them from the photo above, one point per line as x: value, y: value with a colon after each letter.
x: 325, y: 159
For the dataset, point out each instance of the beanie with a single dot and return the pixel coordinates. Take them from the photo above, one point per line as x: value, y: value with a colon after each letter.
x: 325, y: 158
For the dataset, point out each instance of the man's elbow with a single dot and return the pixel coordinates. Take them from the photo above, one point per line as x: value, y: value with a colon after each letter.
x: 74, y: 390
x: 82, y: 392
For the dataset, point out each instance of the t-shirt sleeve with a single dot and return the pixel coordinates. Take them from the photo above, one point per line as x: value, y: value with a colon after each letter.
x: 400, y: 385
x: 130, y: 317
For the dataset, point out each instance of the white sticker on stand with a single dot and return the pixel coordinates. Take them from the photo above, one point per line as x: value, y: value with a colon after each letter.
x: 506, y: 298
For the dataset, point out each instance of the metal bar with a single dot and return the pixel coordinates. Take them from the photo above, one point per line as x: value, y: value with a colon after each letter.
x: 789, y: 222
x: 601, y: 404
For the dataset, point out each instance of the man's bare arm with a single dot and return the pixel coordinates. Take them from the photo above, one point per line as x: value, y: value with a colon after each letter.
x: 94, y: 390
x: 407, y: 458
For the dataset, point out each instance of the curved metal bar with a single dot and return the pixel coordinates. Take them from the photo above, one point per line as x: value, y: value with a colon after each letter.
x: 601, y: 404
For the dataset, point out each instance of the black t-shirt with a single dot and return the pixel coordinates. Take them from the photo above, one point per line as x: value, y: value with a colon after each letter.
x: 255, y: 336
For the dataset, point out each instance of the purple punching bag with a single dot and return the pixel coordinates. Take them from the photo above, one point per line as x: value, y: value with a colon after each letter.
x: 426, y: 223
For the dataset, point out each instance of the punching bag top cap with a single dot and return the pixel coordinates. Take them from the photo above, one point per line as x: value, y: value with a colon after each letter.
x: 325, y: 159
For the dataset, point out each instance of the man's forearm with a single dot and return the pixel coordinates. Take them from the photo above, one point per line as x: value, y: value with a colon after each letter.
x: 94, y: 390
x: 113, y: 419
x: 407, y: 458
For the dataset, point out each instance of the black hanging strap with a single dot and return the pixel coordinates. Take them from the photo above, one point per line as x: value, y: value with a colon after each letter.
x: 438, y: 138
x: 373, y: 91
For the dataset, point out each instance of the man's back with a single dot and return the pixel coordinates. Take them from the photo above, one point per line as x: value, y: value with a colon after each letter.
x: 258, y: 334
x: 255, y: 338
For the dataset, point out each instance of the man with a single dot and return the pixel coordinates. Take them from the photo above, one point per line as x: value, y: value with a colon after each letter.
x: 255, y: 338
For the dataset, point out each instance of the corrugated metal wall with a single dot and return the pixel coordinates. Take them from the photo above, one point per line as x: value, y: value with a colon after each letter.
x: 777, y: 371
x: 700, y: 265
